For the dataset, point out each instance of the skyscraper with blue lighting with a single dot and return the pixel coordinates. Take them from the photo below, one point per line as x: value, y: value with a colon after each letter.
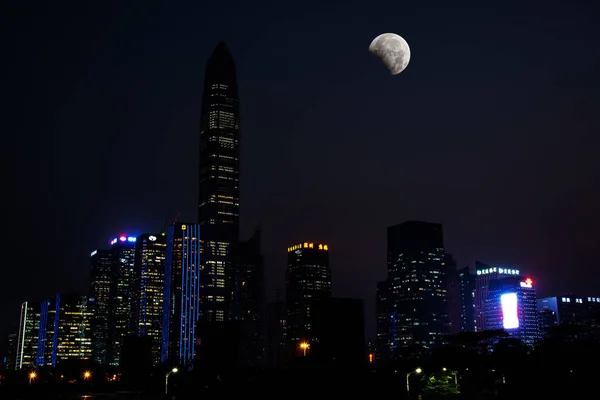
x: 182, y: 284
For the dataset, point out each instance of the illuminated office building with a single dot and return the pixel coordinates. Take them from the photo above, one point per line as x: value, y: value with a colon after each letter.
x: 484, y: 275
x: 121, y: 307
x: 308, y: 281
x: 511, y: 306
x: 181, y: 301
x: 101, y: 283
x: 27, y: 337
x: 412, y: 301
x: 580, y: 311
x: 219, y: 190
x: 148, y: 284
x: 66, y: 334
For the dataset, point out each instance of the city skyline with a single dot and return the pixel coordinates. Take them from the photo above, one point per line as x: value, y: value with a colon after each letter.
x: 512, y: 186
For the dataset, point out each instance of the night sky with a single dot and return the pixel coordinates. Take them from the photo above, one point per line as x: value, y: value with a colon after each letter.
x: 492, y: 130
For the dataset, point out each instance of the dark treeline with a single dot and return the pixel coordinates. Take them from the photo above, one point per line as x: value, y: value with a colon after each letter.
x: 564, y: 364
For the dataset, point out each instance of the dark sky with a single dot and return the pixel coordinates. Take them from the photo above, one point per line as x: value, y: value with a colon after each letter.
x: 492, y: 130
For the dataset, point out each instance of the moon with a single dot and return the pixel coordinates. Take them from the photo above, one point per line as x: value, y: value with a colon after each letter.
x: 393, y: 50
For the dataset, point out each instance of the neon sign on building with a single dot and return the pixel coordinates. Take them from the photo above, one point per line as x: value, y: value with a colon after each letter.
x: 510, y: 317
x: 498, y: 270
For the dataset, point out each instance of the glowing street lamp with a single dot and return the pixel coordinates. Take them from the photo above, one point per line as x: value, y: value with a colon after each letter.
x: 455, y: 373
x: 173, y: 371
x: 32, y: 376
x: 304, y: 346
x: 87, y: 375
x: 416, y: 371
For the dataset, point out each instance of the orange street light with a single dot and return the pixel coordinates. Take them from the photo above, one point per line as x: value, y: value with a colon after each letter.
x: 32, y: 376
x: 87, y: 375
x: 304, y: 346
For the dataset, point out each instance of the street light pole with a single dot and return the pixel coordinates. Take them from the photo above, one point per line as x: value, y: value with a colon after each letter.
x: 416, y: 371
x: 174, y: 370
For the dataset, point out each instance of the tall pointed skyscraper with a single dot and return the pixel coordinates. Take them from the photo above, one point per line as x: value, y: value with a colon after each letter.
x: 219, y: 190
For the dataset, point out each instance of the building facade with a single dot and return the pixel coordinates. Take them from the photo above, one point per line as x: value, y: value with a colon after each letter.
x: 308, y: 281
x: 65, y: 329
x: 249, y: 301
x: 466, y: 293
x: 121, y: 307
x: 582, y: 312
x: 512, y: 306
x: 484, y: 275
x: 148, y: 285
x: 413, y: 300
x: 219, y: 180
x: 101, y: 283
x: 27, y: 336
x: 182, y: 288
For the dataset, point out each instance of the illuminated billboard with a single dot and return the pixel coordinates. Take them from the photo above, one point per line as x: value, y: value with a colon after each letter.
x: 123, y: 238
x: 308, y: 245
x: 510, y: 317
x: 527, y: 283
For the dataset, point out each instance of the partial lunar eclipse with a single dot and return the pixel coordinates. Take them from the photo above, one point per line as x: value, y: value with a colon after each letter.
x: 393, y: 50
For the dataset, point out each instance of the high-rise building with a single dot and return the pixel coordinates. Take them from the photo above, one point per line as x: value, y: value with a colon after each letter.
x: 466, y: 293
x: 453, y: 295
x: 308, y: 281
x: 413, y: 299
x: 484, y: 275
x: 579, y: 311
x: 9, y: 351
x: 182, y: 288
x: 511, y: 306
x: 121, y: 315
x: 27, y: 338
x: 219, y: 190
x: 47, y: 340
x: 248, y: 303
x: 101, y: 281
x: 65, y: 329
x: 148, y: 286
x: 276, y: 334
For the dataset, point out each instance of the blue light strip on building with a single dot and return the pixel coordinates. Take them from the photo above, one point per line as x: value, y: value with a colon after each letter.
x: 42, y: 335
x: 55, y: 336
x: 190, y: 299
x: 166, y: 317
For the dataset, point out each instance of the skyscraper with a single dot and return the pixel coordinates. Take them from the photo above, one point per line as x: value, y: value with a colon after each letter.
x: 511, y: 305
x: 248, y: 304
x: 219, y: 190
x: 413, y: 299
x: 181, y: 301
x: 121, y: 315
x: 148, y: 286
x: 484, y: 276
x: 307, y: 280
x: 466, y: 292
x: 27, y: 338
x: 65, y: 329
x: 101, y: 282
